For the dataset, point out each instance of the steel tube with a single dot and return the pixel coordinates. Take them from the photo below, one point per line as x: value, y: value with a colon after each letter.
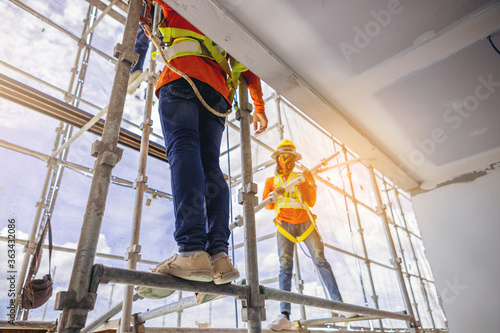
x: 248, y: 195
x: 78, y: 168
x: 82, y: 130
x: 402, y: 252
x: 156, y: 280
x: 323, y: 321
x: 104, y: 13
x: 363, y: 242
x: 29, y: 249
x: 26, y: 96
x: 184, y: 303
x: 299, y: 284
x: 287, y: 296
x: 108, y: 155
x: 420, y: 277
x: 395, y: 260
x: 106, y: 316
x: 133, y: 253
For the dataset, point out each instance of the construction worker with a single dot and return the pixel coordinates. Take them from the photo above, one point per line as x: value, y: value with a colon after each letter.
x: 295, y: 223
x: 193, y: 137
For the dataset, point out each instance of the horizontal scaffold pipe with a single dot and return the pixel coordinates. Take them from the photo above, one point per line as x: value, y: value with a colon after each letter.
x: 182, y: 304
x: 126, y: 276
x: 88, y: 172
x: 26, y: 96
x: 289, y: 297
x: 156, y: 280
x: 31, y: 325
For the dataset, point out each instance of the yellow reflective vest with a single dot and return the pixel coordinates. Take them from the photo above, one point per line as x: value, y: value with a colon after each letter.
x: 291, y: 199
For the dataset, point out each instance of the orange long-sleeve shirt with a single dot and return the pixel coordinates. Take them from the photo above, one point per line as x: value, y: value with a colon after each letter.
x: 292, y: 215
x: 202, y: 68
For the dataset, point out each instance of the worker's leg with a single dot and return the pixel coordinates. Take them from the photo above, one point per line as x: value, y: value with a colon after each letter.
x: 216, y: 192
x: 179, y: 114
x: 317, y: 251
x: 285, y: 252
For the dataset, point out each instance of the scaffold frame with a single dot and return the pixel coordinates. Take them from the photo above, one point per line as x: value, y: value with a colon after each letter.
x: 80, y: 296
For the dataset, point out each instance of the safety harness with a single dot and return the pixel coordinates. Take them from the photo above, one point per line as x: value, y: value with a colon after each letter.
x: 292, y: 199
x: 183, y: 42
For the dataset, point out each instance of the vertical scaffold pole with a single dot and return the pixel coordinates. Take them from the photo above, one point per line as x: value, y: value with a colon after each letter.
x: 299, y: 283
x: 133, y: 252
x: 80, y: 297
x: 396, y: 261
x: 253, y: 311
x: 362, y: 237
x: 403, y: 256
x: 422, y: 285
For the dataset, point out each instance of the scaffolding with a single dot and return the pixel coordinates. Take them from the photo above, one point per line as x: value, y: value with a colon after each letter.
x: 418, y: 308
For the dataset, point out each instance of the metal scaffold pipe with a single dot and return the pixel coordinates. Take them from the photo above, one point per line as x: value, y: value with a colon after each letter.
x: 133, y: 252
x: 79, y: 299
x: 396, y: 261
x: 253, y: 311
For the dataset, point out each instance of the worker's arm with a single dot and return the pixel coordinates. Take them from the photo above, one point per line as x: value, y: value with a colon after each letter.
x: 308, y: 189
x: 259, y: 115
x: 268, y: 189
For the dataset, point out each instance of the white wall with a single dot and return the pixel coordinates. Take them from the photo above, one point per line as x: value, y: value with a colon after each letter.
x: 460, y: 225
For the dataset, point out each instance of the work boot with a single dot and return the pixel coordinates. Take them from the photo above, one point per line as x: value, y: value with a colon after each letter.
x: 280, y: 323
x: 224, y: 271
x: 194, y: 268
x: 154, y: 293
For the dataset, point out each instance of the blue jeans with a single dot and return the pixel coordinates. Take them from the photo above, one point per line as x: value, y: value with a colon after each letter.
x: 192, y: 139
x: 316, y: 250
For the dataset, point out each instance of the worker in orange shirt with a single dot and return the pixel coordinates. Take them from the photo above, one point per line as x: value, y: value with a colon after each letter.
x: 193, y: 134
x: 295, y: 224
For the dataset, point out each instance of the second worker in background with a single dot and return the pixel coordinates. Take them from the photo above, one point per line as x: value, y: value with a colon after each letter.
x: 295, y: 224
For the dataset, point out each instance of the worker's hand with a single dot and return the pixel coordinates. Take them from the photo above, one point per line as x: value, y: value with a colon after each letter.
x: 280, y: 190
x: 259, y: 119
x: 309, y: 177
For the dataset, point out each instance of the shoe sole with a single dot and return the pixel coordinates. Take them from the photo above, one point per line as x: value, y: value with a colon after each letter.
x: 226, y: 278
x: 155, y: 293
x: 200, y: 275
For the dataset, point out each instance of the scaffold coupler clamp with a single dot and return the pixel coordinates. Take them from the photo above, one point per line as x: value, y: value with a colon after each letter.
x: 106, y: 156
x: 133, y: 253
x: 138, y: 324
x: 66, y: 300
x: 396, y: 261
x: 238, y: 222
x: 248, y: 192
x: 123, y: 54
x: 381, y: 209
x: 252, y: 305
x: 243, y: 111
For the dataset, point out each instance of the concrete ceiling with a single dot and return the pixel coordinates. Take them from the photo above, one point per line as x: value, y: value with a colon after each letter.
x: 413, y: 86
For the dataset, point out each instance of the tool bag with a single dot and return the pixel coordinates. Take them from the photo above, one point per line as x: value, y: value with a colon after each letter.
x: 38, y: 291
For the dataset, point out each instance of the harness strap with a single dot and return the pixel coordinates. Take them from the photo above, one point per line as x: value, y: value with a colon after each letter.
x: 292, y: 238
x: 174, y: 38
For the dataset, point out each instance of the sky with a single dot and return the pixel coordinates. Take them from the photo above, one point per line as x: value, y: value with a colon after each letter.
x: 48, y: 54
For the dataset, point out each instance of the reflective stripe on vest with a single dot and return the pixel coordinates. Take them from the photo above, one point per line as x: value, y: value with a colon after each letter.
x: 293, y: 200
x: 290, y: 199
x: 184, y: 42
